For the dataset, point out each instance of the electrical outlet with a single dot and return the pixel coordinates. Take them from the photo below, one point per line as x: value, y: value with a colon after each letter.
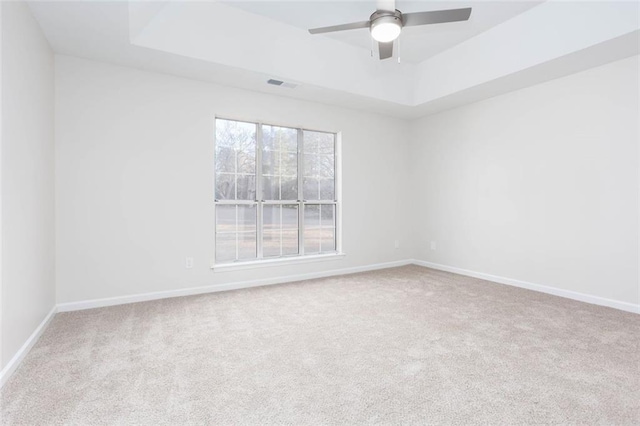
x: 188, y: 262
x: 397, y: 244
x: 433, y: 245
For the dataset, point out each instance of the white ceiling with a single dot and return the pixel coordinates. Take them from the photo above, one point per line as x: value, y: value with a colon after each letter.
x: 505, y: 46
x: 416, y: 43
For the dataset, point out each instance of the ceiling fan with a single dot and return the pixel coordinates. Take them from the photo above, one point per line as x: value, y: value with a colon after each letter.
x: 387, y: 22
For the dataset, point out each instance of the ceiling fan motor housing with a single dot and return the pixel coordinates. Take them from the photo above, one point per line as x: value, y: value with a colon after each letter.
x: 385, y: 16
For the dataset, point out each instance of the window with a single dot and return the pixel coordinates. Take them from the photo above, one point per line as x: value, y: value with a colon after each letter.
x: 275, y: 192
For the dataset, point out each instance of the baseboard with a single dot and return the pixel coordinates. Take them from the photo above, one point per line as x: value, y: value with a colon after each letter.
x: 121, y: 300
x: 595, y: 300
x: 13, y: 365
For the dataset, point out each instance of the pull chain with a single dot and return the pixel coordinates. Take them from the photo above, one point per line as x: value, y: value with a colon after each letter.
x: 398, y: 49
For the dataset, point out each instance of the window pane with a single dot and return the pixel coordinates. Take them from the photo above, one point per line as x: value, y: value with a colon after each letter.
x: 270, y: 243
x: 225, y: 219
x: 311, y: 165
x: 311, y: 189
x: 225, y: 186
x: 230, y: 133
x: 326, y: 166
x: 246, y: 218
x: 270, y: 188
x: 280, y: 230
x: 279, y: 138
x: 247, y: 245
x: 235, y: 160
x: 319, y: 240
x: 328, y: 241
x: 327, y: 143
x: 225, y: 247
x: 319, y: 168
x: 312, y: 229
x: 319, y: 228
x: 247, y: 160
x: 311, y: 216
x: 312, y: 240
x: 289, y: 164
x: 319, y: 182
x: 327, y: 189
x: 290, y: 229
x: 289, y: 242
x: 271, y: 230
x: 224, y: 132
x: 271, y: 163
x: 310, y: 141
x: 290, y: 216
x: 319, y: 142
x: 328, y: 223
x: 235, y: 232
x: 225, y: 159
x: 270, y: 217
x: 246, y: 185
x: 280, y: 163
x: 327, y: 215
x: 289, y: 188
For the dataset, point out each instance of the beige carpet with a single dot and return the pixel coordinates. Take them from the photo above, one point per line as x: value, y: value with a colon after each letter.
x: 401, y: 346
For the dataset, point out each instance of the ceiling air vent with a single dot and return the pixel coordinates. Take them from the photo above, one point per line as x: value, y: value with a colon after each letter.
x: 281, y: 83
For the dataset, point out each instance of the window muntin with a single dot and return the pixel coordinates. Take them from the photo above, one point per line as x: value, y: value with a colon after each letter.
x: 275, y: 192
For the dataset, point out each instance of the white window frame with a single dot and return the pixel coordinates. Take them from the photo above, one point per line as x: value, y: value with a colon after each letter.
x: 259, y: 202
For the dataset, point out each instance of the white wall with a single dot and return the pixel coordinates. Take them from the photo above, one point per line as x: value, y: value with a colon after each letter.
x: 134, y: 180
x: 28, y: 261
x: 538, y: 185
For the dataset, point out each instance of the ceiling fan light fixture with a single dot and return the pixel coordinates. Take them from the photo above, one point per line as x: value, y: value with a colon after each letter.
x: 386, y: 28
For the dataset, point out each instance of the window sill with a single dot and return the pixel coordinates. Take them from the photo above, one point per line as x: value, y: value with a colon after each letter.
x: 237, y: 266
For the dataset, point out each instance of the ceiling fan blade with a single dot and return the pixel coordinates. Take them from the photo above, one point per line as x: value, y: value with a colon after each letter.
x: 343, y: 27
x: 435, y: 17
x: 385, y: 49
